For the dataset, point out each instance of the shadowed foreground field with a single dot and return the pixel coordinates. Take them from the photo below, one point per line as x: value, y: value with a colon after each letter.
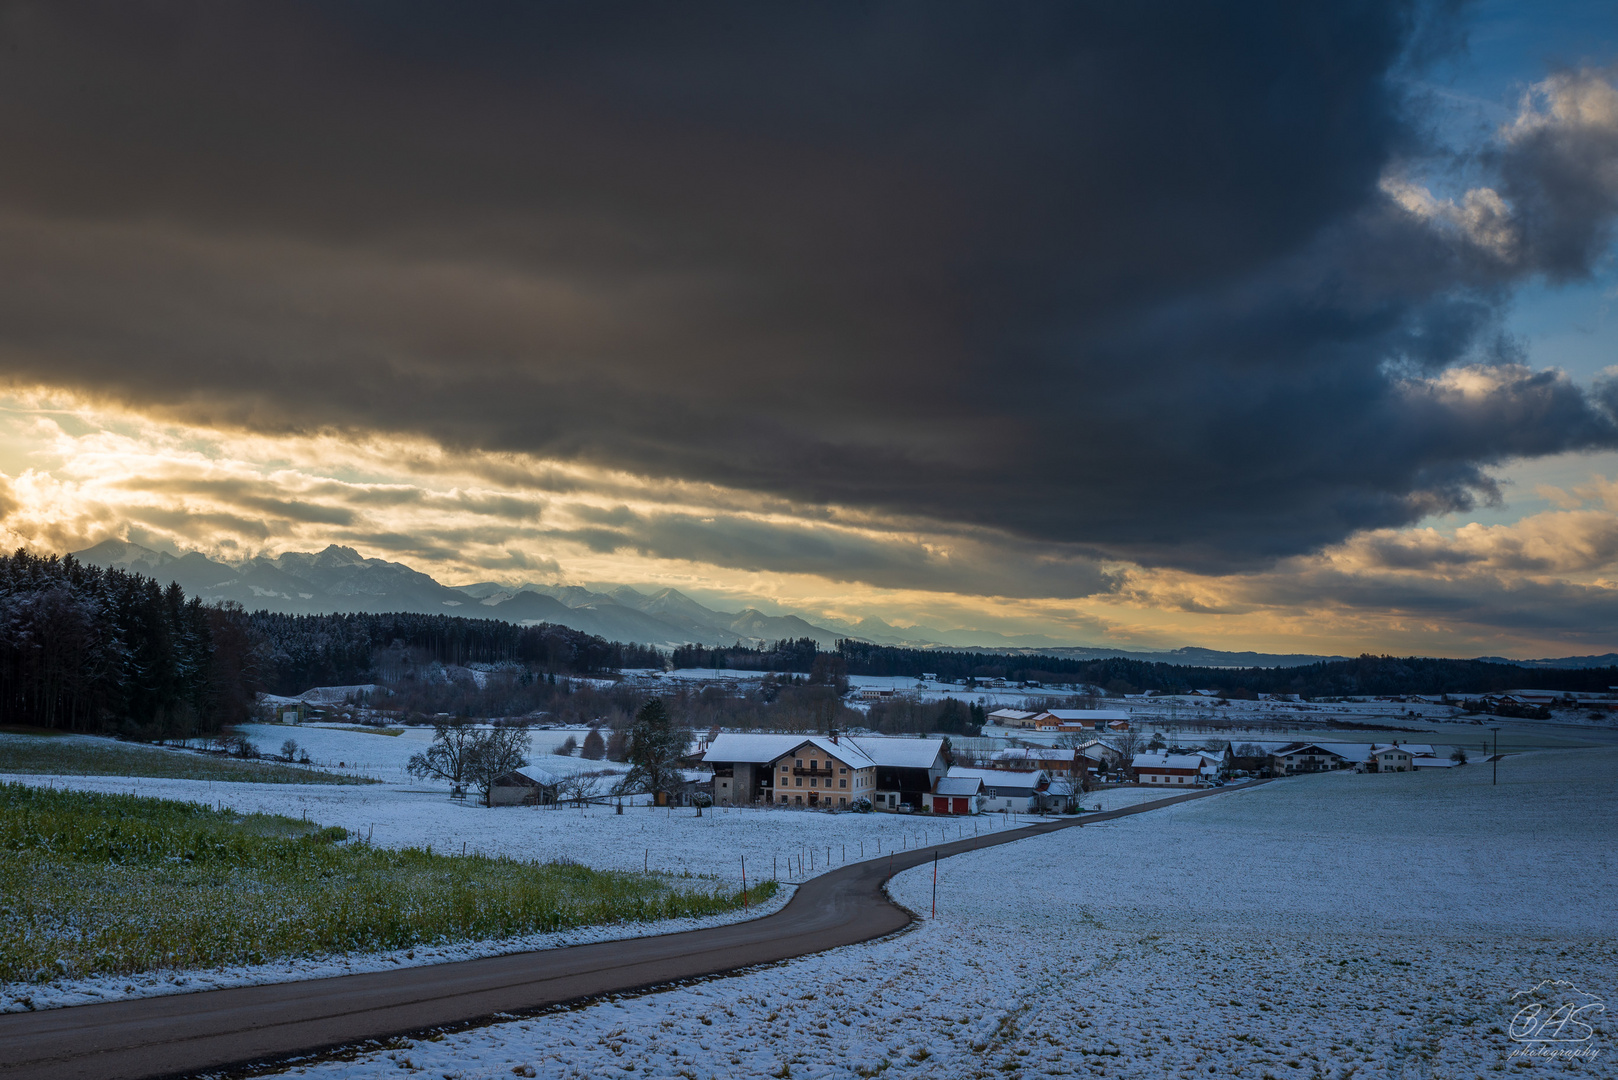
x: 88, y: 756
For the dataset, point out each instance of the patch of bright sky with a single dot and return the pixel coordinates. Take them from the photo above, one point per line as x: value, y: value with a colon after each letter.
x: 1573, y: 326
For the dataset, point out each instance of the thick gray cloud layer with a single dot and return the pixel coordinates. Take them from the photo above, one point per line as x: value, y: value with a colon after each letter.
x: 1118, y: 277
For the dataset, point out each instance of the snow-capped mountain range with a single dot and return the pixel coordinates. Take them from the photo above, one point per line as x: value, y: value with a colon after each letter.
x: 341, y: 579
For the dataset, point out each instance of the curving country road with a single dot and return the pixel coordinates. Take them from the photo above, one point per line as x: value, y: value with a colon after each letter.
x: 217, y: 1029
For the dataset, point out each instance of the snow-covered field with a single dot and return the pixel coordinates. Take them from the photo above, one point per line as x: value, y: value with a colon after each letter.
x: 1331, y: 925
x: 380, y: 756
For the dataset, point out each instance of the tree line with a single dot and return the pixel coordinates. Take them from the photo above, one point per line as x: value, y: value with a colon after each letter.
x: 88, y: 649
x: 344, y: 649
x: 1363, y: 675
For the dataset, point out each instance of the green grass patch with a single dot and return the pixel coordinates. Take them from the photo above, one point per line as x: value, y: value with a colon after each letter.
x: 364, y: 729
x: 118, y: 884
x: 106, y: 757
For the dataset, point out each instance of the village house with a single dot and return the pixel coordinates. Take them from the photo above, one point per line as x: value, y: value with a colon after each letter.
x: 527, y: 786
x: 1011, y: 718
x: 1055, y: 760
x: 1394, y: 758
x: 1016, y: 792
x: 1176, y: 769
x: 748, y: 770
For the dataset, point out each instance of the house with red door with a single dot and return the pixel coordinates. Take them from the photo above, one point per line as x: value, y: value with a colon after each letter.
x: 959, y: 795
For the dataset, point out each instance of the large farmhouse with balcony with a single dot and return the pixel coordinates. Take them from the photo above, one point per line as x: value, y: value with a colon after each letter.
x: 824, y: 772
x: 778, y: 769
x: 1297, y: 758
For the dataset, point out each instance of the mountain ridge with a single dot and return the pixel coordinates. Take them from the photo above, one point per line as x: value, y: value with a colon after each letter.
x: 338, y: 578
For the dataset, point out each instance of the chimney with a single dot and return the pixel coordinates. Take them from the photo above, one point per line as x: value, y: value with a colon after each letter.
x: 834, y: 741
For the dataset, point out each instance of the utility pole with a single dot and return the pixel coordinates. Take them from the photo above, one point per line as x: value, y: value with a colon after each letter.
x: 1496, y: 755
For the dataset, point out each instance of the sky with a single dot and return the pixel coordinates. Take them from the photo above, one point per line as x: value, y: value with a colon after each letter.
x: 1252, y: 326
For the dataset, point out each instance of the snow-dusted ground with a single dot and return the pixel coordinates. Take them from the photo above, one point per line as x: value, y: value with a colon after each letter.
x: 383, y: 757
x: 1332, y: 925
x: 789, y: 844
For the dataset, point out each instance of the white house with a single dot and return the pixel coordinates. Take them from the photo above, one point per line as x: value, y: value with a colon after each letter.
x: 1017, y: 792
x: 1177, y: 770
x: 1393, y: 758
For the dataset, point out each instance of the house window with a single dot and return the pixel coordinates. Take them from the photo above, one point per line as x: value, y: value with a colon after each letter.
x: 786, y: 768
x: 843, y: 771
x: 842, y: 783
x: 813, y: 764
x: 813, y: 782
x: 842, y: 802
x: 799, y: 781
x: 799, y: 762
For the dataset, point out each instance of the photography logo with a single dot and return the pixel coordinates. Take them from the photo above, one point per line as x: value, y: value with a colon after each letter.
x: 1555, y: 1019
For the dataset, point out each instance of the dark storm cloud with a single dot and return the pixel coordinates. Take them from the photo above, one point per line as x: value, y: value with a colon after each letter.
x: 981, y: 565
x: 1117, y: 276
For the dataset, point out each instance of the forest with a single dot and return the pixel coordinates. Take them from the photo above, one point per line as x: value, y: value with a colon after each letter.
x: 88, y: 649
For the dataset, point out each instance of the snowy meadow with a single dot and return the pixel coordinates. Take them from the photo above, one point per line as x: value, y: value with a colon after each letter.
x: 1334, y: 925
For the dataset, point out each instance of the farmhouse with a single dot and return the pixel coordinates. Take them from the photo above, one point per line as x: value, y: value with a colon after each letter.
x: 1297, y: 758
x: 527, y: 786
x: 1082, y: 720
x: 747, y: 770
x: 824, y: 772
x: 1011, y: 718
x: 1177, y: 769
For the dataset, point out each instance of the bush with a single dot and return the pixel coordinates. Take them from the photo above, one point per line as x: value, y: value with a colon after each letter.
x: 861, y: 805
x: 569, y: 745
x: 702, y: 800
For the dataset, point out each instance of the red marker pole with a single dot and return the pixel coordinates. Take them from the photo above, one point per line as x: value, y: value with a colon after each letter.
x: 744, y: 882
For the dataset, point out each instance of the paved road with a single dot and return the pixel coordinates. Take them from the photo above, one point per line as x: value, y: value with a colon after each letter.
x: 216, y: 1029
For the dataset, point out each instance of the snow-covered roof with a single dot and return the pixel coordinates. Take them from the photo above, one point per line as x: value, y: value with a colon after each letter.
x: 539, y: 775
x: 1010, y: 714
x: 1001, y: 778
x: 845, y: 750
x: 1413, y: 749
x: 1168, y: 761
x: 1027, y: 753
x: 758, y: 749
x: 1308, y: 748
x: 959, y: 785
x: 1434, y: 763
x: 1072, y: 715
x: 893, y: 753
x: 1061, y: 785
